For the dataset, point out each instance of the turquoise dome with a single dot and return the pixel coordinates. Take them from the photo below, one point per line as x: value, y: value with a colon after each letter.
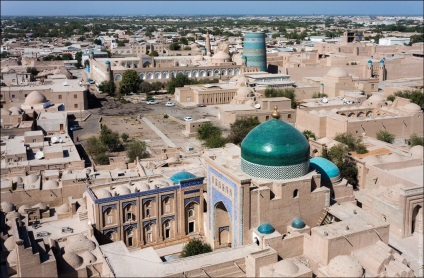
x: 325, y: 167
x: 91, y: 52
x: 178, y: 177
x: 382, y: 61
x: 369, y: 62
x: 107, y: 62
x: 275, y: 143
x: 244, y: 57
x: 298, y: 223
x: 266, y: 228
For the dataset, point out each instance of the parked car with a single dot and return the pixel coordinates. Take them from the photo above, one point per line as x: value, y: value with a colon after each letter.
x: 152, y: 102
x: 90, y: 80
x: 187, y: 119
x: 75, y: 127
x: 170, y: 104
x: 201, y: 105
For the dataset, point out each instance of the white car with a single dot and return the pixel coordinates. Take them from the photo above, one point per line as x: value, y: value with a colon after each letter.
x: 152, y: 102
x: 169, y: 104
x: 187, y: 119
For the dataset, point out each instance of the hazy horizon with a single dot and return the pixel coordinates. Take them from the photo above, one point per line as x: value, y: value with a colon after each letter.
x: 211, y: 8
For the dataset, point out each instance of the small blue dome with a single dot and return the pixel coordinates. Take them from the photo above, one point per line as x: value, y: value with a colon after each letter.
x: 203, y: 47
x: 382, y: 61
x: 91, y: 52
x: 325, y: 167
x: 369, y: 62
x: 107, y: 62
x: 180, y: 176
x: 298, y: 223
x: 244, y: 57
x: 266, y: 228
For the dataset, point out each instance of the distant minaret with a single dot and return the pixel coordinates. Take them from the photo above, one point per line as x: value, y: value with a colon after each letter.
x: 208, y: 45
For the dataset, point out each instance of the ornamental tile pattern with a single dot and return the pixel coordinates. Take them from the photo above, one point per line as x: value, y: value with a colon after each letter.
x: 274, y: 172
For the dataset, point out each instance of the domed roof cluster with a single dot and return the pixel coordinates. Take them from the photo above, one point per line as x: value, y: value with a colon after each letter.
x: 7, y: 207
x: 411, y: 108
x: 286, y: 268
x: 35, y: 97
x: 22, y: 209
x: 122, y: 190
x: 51, y: 184
x: 180, y: 176
x: 72, y: 259
x: 326, y: 168
x: 376, y: 98
x: 275, y: 150
x: 337, y: 72
x: 79, y: 244
x: 102, y: 193
x: 417, y: 151
x: 14, y: 110
x: 266, y: 228
x: 222, y: 56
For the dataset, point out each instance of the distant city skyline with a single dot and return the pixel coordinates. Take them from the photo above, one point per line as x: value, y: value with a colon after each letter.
x: 120, y: 8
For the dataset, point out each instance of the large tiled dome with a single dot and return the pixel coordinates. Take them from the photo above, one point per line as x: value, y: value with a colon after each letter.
x: 275, y: 150
x: 178, y: 177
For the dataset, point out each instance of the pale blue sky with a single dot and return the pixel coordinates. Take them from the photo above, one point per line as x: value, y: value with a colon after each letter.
x: 58, y: 8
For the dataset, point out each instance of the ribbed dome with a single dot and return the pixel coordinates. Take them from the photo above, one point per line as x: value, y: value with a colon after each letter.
x: 180, y: 176
x: 376, y: 99
x: 337, y: 72
x: 142, y: 186
x: 35, y: 98
x: 325, y: 167
x: 22, y: 209
x: 41, y: 206
x: 416, y: 151
x: 10, y: 243
x: 245, y: 92
x: 275, y: 143
x: 345, y: 266
x: 31, y: 178
x: 102, y: 193
x: 286, y: 268
x: 51, y: 184
x: 298, y: 223
x: 411, y: 107
x: 266, y: 228
x: 122, y: 190
x: 7, y: 207
x: 14, y: 110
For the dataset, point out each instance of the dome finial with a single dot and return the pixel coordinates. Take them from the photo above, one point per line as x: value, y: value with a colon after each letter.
x: 276, y: 114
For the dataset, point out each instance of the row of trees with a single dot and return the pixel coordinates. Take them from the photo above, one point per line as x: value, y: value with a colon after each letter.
x: 110, y: 141
x: 416, y: 96
x: 288, y: 93
x: 212, y: 137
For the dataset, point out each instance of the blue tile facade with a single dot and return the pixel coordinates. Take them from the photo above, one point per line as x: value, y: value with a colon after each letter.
x: 255, y: 50
x: 232, y: 204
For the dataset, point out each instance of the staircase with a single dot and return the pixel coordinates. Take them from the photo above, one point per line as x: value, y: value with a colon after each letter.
x: 83, y: 216
x: 325, y: 218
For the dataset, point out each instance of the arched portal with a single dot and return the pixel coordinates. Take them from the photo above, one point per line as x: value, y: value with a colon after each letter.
x: 417, y: 220
x: 222, y: 226
x: 192, y: 214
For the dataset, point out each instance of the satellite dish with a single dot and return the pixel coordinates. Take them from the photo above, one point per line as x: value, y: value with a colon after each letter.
x: 60, y: 139
x: 324, y: 100
x: 39, y: 155
x: 257, y: 106
x: 54, y: 140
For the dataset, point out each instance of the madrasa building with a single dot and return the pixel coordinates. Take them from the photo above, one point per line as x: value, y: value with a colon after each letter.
x: 270, y: 181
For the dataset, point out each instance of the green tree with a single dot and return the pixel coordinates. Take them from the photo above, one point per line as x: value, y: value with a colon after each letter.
x: 32, y: 70
x: 5, y: 54
x: 208, y: 130
x: 125, y: 137
x: 385, y: 136
x: 94, y: 146
x: 416, y: 96
x: 240, y: 128
x: 178, y: 81
x: 154, y: 53
x: 101, y: 159
x: 67, y: 56
x: 215, y: 141
x: 309, y: 134
x: 109, y: 138
x: 78, y: 57
x: 97, y: 41
x: 195, y: 247
x: 415, y: 140
x: 157, y: 86
x: 108, y: 87
x: 129, y: 83
x: 137, y: 149
x: 353, y: 143
x: 184, y: 41
x: 174, y: 46
x: 288, y: 93
x: 68, y: 43
x: 145, y: 87
x: 391, y: 98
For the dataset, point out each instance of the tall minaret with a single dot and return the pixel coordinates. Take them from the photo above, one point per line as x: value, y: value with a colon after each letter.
x: 208, y: 44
